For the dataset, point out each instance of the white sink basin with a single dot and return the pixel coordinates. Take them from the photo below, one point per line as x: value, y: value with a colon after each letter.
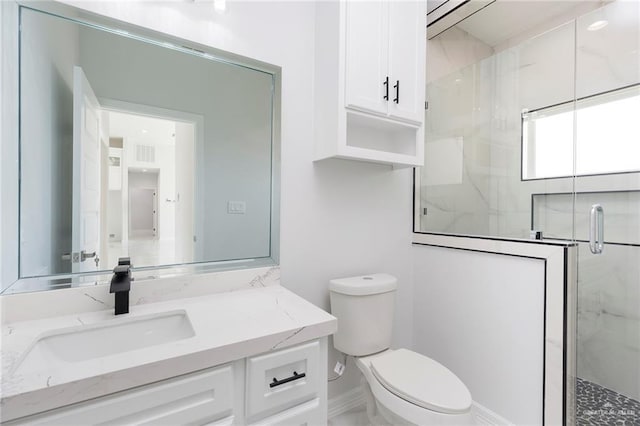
x: 63, y: 347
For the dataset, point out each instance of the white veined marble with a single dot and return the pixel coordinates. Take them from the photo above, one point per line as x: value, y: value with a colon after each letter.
x: 227, y: 326
x: 30, y: 306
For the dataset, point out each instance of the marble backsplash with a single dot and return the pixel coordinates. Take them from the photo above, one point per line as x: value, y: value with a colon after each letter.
x: 45, y: 304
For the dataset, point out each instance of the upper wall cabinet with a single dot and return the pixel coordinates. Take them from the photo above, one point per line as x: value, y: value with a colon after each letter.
x: 384, y: 57
x: 370, y: 81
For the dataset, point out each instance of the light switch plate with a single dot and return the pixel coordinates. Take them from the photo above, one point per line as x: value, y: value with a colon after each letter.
x: 236, y: 207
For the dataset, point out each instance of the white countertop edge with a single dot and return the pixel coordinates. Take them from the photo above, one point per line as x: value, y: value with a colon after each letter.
x: 21, y: 398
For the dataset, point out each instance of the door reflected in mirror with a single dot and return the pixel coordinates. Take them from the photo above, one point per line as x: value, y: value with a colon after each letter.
x: 132, y: 147
x: 149, y: 206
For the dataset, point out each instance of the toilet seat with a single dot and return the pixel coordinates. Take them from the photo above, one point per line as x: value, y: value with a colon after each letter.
x: 421, y: 381
x: 408, y: 412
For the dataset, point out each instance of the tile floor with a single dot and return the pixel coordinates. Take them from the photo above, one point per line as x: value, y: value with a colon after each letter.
x: 358, y: 417
x: 354, y: 417
x: 600, y: 406
x: 596, y: 406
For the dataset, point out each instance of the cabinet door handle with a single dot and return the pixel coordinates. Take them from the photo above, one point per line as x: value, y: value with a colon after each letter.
x: 295, y: 376
x: 397, y: 87
x: 386, y: 89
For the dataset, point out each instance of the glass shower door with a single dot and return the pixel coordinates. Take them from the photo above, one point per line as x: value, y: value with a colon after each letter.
x: 607, y: 214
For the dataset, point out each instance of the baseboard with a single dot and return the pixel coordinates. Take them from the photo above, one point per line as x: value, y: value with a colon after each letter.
x: 345, y: 402
x: 486, y: 417
x: 355, y: 398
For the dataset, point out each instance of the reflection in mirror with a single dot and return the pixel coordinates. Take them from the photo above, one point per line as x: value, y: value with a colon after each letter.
x: 144, y: 154
x: 132, y: 147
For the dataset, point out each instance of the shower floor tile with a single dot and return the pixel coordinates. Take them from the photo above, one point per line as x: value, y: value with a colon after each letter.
x: 600, y: 406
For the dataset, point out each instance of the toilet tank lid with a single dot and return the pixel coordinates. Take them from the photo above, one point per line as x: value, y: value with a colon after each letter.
x: 364, y: 285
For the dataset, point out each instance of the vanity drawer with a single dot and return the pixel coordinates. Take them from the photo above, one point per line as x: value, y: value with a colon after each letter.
x: 280, y: 380
x: 197, y: 398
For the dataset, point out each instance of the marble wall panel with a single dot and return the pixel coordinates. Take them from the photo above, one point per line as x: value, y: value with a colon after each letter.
x: 482, y: 102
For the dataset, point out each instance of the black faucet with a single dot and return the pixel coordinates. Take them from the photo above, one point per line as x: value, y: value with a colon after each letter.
x: 121, y: 284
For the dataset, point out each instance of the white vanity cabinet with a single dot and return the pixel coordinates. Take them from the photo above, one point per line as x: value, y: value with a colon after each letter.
x: 370, y: 81
x: 281, y: 387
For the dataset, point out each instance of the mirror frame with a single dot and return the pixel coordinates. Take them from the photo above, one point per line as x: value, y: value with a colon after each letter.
x: 10, y: 280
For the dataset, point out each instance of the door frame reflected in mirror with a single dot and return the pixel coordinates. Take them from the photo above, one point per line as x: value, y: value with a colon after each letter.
x: 197, y: 120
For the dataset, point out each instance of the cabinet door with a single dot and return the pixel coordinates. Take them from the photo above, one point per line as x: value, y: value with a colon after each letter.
x: 197, y: 398
x: 407, y: 52
x: 367, y: 46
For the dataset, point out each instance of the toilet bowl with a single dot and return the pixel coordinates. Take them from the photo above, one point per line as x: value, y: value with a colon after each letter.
x: 401, y: 387
x: 411, y: 389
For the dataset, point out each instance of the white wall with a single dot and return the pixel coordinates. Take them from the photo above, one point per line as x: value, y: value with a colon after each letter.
x: 482, y: 316
x: 338, y: 218
x: 114, y: 216
x: 49, y: 51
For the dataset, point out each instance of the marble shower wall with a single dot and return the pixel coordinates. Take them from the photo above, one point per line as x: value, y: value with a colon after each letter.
x: 609, y: 318
x: 459, y: 130
x: 480, y: 107
x: 471, y: 182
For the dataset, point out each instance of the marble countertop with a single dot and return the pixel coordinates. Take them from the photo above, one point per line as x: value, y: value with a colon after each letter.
x: 228, y: 326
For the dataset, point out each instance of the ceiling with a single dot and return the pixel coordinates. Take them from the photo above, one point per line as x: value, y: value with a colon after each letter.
x: 506, y: 19
x: 141, y: 129
x: 433, y: 4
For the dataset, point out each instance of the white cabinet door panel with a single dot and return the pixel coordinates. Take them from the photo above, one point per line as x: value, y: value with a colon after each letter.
x: 197, y: 398
x: 367, y: 48
x: 407, y: 33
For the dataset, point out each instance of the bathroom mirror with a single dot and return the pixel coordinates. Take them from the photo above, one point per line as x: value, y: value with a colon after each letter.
x: 137, y: 144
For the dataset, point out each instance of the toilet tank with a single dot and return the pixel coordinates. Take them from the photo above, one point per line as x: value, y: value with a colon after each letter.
x: 364, y: 307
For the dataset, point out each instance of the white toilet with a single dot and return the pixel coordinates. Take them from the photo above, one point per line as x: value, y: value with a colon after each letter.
x: 401, y: 387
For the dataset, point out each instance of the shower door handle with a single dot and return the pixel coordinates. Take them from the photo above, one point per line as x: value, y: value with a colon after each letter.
x: 596, y: 229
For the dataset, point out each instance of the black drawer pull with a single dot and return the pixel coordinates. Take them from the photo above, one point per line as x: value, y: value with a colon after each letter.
x: 295, y: 376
